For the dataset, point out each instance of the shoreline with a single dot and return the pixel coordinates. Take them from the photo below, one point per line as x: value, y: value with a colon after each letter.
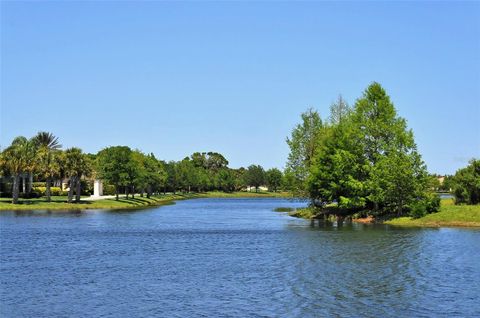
x: 60, y: 204
x: 450, y: 215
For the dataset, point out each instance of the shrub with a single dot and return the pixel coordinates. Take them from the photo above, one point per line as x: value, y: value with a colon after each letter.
x: 466, y: 183
x: 427, y: 205
x: 432, y: 203
x: 108, y: 189
x: 418, y: 209
x: 54, y: 191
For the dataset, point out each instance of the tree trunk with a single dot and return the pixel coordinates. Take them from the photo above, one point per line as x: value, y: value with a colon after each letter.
x: 133, y: 192
x: 24, y: 184
x: 116, y: 192
x: 127, y: 189
x: 70, y: 190
x: 149, y: 191
x: 47, y: 190
x: 29, y: 184
x: 256, y: 189
x: 15, y: 189
x: 78, y: 191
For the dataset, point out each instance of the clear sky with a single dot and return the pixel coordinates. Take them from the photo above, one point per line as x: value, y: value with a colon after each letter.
x: 173, y: 78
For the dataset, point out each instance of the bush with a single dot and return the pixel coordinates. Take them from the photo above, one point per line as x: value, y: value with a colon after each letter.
x: 54, y: 191
x: 429, y: 204
x: 108, y: 189
x: 432, y: 203
x: 466, y: 183
x: 418, y: 209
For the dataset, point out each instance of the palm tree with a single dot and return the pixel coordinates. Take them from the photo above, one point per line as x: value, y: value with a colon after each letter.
x: 18, y: 159
x: 77, y: 165
x: 47, y: 158
x: 48, y: 140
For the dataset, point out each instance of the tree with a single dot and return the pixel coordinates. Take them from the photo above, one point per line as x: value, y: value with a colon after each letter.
x: 255, y: 176
x: 273, y: 178
x: 337, y: 174
x: 48, y: 163
x: 386, y: 142
x: 225, y: 180
x: 339, y: 111
x: 156, y: 174
x: 77, y: 165
x: 187, y: 174
x: 18, y: 159
x: 367, y: 158
x: 113, y: 166
x: 48, y: 140
x: 466, y: 183
x: 172, y: 177
x: 303, y: 145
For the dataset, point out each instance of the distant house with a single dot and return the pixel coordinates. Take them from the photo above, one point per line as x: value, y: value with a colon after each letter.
x: 441, y: 179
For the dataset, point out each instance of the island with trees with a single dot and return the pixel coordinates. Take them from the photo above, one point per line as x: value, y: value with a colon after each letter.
x: 362, y: 162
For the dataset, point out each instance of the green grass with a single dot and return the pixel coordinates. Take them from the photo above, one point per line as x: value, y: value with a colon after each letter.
x: 449, y: 215
x: 305, y: 213
x: 284, y: 209
x: 60, y: 203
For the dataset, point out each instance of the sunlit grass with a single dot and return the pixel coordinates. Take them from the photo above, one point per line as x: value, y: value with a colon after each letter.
x: 449, y: 215
x: 60, y: 202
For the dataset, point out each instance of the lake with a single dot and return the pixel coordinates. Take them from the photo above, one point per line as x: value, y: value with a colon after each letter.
x: 230, y: 258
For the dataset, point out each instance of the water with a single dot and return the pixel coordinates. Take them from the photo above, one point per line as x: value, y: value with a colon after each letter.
x: 230, y: 258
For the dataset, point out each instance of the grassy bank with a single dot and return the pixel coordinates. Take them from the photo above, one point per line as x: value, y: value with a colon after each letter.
x: 60, y: 203
x: 449, y: 215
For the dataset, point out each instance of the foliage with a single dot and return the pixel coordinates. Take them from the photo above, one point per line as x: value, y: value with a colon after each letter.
x: 113, y: 165
x: 122, y: 169
x: 273, y: 178
x: 303, y: 145
x: 255, y: 176
x: 367, y: 158
x: 466, y: 183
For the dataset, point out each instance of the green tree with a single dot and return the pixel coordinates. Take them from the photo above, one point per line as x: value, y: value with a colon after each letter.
x: 157, y: 176
x: 77, y: 164
x: 18, y: 159
x: 339, y: 111
x: 273, y: 178
x: 172, y: 177
x: 368, y: 159
x: 466, y: 183
x: 255, y: 176
x: 388, y: 145
x: 113, y: 166
x: 225, y: 180
x: 303, y: 143
x: 187, y: 175
x: 48, y: 158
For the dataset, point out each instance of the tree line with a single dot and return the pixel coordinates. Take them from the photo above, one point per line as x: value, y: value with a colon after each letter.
x: 362, y: 158
x: 123, y: 170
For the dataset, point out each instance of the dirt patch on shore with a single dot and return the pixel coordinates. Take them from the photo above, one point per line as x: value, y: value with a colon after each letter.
x: 369, y: 219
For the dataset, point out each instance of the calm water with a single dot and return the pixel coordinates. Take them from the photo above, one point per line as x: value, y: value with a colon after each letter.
x: 231, y: 258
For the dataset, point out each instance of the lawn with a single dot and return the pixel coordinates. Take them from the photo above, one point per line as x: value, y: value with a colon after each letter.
x: 449, y: 215
x: 60, y: 202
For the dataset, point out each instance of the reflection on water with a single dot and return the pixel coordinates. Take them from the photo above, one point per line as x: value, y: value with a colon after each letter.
x: 231, y: 257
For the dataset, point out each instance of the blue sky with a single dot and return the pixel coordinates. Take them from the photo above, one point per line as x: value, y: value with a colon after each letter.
x: 173, y: 78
